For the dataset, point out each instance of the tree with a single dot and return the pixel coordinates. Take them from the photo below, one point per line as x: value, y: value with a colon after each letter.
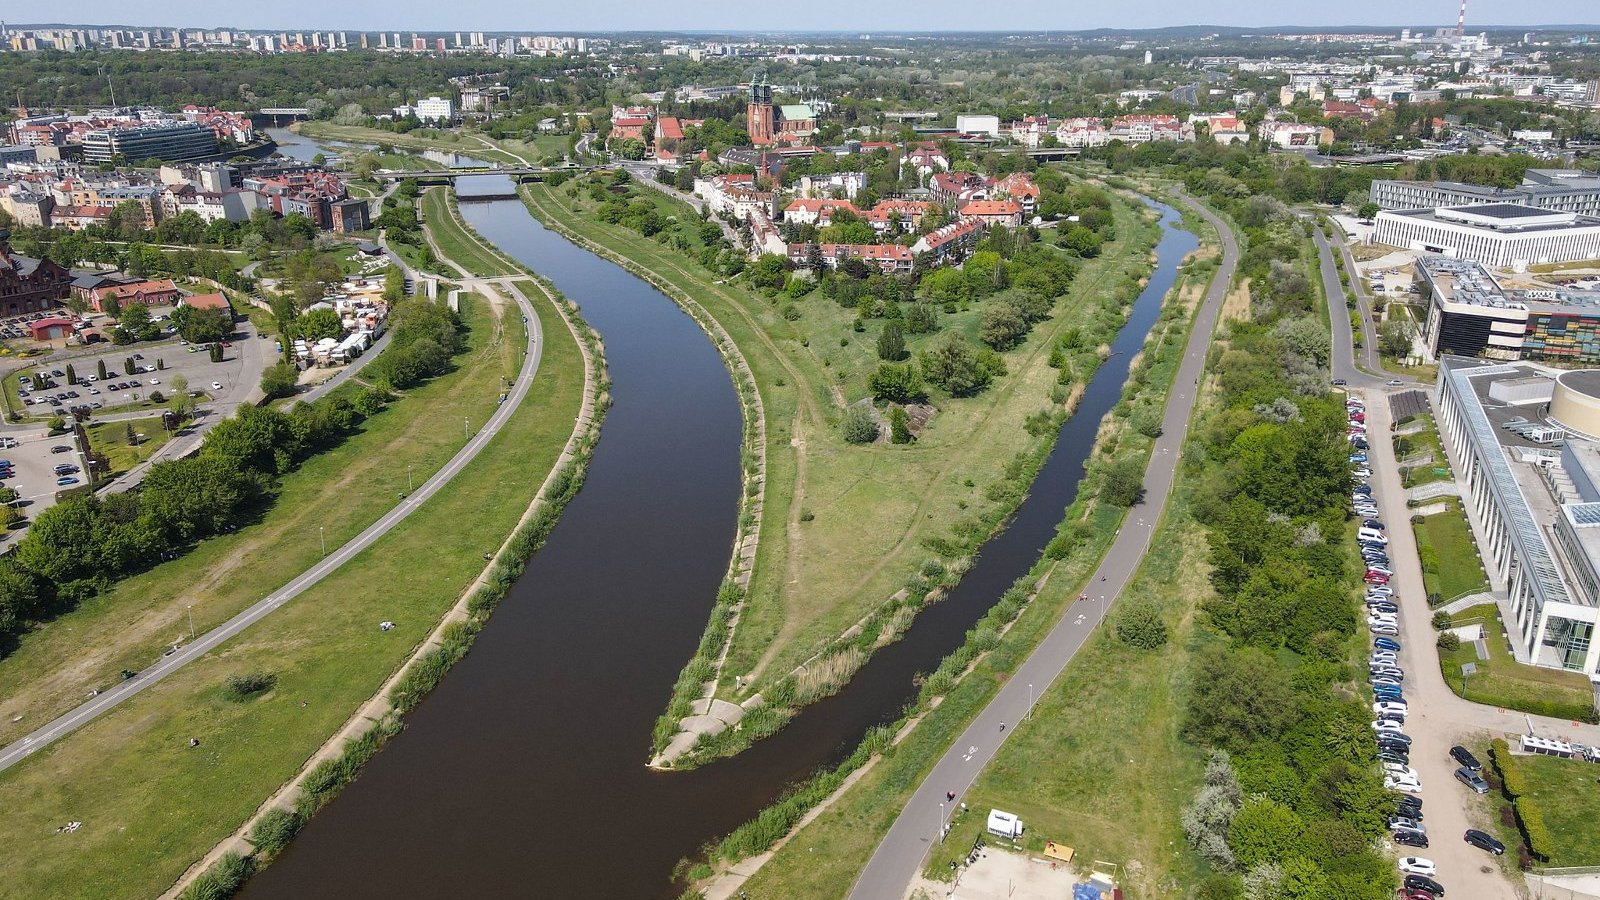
x: 129, y: 436
x: 860, y: 425
x: 899, y: 425
x: 1123, y: 484
x: 279, y: 380
x: 1395, y: 337
x: 100, y: 364
x: 1080, y: 240
x: 1003, y: 324
x: 135, y: 325
x: 1265, y: 831
x: 1237, y: 698
x: 256, y: 438
x: 898, y: 383
x: 202, y: 325
x: 394, y: 286
x: 189, y: 498
x: 891, y: 343
x: 316, y: 324
x: 953, y: 365
x: 127, y: 365
x: 1368, y: 210
x: 72, y: 374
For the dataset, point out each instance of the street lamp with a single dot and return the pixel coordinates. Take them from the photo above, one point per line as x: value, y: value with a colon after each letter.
x: 1030, y: 700
x: 191, y: 621
x: 941, y: 823
x: 323, y: 534
x: 408, y: 479
x: 464, y: 426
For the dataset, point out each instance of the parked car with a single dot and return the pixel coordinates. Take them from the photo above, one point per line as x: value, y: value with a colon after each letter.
x: 1396, y: 756
x: 1423, y: 882
x: 66, y: 481
x: 1472, y: 780
x: 1406, y: 821
x: 1416, y: 865
x: 1404, y: 787
x: 1464, y: 757
x: 1389, y: 707
x: 1386, y: 725
x: 1409, y: 838
x: 1403, y: 739
x: 1387, y: 644
x: 1484, y: 841
x: 1409, y: 806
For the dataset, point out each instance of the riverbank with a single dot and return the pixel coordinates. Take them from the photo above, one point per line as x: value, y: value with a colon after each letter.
x: 150, y: 803
x: 464, y: 143
x: 832, y: 842
x: 820, y: 582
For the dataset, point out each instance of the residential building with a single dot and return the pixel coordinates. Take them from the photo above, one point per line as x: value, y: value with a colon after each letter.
x: 906, y: 215
x: 1005, y: 213
x: 28, y: 284
x: 846, y: 184
x: 157, y: 292
x: 891, y: 259
x: 1142, y: 129
x: 1502, y: 235
x: 1082, y: 133
x: 1030, y: 131
x: 349, y: 215
x: 735, y: 195
x: 817, y: 211
x: 630, y: 128
x: 950, y: 242
x: 949, y: 187
x: 1018, y: 186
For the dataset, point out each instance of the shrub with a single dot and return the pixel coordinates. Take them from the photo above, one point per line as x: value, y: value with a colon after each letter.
x: 1449, y: 641
x: 1441, y: 620
x: 899, y: 425
x: 1141, y: 627
x: 242, y: 687
x: 1124, y: 482
x: 274, y: 830
x: 221, y: 881
x: 860, y: 425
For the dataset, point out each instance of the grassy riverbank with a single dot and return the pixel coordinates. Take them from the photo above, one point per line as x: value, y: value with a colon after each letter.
x: 442, y: 220
x: 818, y: 571
x: 149, y: 803
x: 823, y: 858
x: 464, y: 143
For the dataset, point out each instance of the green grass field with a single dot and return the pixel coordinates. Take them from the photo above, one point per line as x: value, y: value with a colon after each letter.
x: 333, y: 495
x: 1502, y: 681
x: 111, y: 438
x: 815, y: 578
x: 420, y: 139
x: 1450, y: 563
x: 149, y: 803
x: 1566, y: 791
x: 448, y: 232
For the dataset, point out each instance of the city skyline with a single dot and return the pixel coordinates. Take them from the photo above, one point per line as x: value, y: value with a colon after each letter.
x: 718, y: 16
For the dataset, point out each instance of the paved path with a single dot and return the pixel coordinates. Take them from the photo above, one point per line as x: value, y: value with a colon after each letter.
x: 1345, y: 364
x: 115, y: 696
x: 899, y: 856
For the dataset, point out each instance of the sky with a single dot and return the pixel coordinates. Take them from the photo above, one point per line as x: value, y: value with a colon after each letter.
x: 831, y: 15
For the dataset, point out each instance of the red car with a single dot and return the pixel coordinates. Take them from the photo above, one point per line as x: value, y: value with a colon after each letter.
x: 1377, y: 578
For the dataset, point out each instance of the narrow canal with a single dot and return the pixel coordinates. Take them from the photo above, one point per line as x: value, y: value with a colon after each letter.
x: 524, y: 773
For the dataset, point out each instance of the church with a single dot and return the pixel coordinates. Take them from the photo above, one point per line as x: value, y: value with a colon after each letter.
x: 28, y: 284
x: 791, y: 123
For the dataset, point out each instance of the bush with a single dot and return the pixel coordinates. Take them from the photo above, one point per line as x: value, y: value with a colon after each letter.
x: 242, y: 687
x: 274, y: 830
x: 280, y: 380
x: 221, y: 881
x: 1141, y: 627
x: 860, y: 425
x: 1441, y: 620
x: 1124, y: 483
x: 899, y: 425
x: 1449, y: 641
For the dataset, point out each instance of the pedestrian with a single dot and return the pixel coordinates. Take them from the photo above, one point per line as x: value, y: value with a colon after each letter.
x: 1002, y: 726
x: 950, y: 796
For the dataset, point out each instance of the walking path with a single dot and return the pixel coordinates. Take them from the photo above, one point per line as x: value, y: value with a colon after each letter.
x: 115, y: 696
x: 899, y: 856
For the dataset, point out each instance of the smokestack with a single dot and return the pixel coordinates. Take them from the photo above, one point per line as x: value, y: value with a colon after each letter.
x: 1461, y: 20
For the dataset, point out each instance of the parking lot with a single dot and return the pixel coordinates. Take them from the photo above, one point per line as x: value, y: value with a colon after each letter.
x: 155, y: 366
x: 32, y: 472
x: 15, y: 328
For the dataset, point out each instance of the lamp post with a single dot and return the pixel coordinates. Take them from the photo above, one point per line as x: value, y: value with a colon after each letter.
x: 1030, y: 700
x: 322, y: 533
x: 464, y: 426
x: 409, y: 484
x: 191, y: 621
x: 941, y: 823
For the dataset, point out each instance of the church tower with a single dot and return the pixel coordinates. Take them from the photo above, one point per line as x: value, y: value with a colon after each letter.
x: 760, y: 120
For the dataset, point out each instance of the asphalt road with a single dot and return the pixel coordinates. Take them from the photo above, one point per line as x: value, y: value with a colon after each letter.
x: 203, y: 644
x: 899, y: 857
x: 1368, y: 372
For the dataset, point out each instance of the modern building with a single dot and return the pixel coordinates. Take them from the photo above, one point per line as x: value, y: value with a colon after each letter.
x: 989, y: 125
x: 1469, y: 314
x: 1525, y: 445
x: 1502, y: 235
x: 176, y: 142
x: 1564, y: 190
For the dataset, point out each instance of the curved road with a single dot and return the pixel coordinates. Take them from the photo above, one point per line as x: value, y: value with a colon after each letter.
x: 113, y: 697
x: 899, y: 856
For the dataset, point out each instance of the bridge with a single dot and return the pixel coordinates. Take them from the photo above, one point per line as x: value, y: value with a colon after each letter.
x: 1055, y: 152
x: 427, y: 177
x: 278, y: 113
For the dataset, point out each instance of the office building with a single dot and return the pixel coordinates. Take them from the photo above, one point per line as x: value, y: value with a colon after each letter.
x: 176, y: 142
x: 1564, y: 190
x: 1502, y: 235
x: 1524, y: 442
x: 1469, y: 314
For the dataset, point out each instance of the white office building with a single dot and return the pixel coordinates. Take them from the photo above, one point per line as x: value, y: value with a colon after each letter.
x: 1502, y: 235
x: 989, y: 125
x: 1523, y: 443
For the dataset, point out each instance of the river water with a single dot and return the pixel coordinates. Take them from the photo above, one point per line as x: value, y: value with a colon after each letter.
x: 524, y: 773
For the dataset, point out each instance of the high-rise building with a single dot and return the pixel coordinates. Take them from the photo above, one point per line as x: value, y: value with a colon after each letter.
x: 177, y: 142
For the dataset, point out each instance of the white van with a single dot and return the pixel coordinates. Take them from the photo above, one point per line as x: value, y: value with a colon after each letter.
x: 1371, y: 534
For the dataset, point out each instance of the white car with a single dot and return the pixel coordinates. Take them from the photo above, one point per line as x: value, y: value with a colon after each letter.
x: 1383, y: 619
x: 1361, y: 473
x: 1395, y: 770
x: 1404, y: 787
x: 1416, y: 865
x: 216, y: 385
x: 1382, y: 725
x: 1390, y: 706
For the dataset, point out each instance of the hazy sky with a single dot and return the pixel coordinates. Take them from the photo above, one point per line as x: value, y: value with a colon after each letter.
x: 852, y: 15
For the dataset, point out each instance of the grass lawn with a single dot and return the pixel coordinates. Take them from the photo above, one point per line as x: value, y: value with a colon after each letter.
x: 1450, y: 563
x: 815, y: 578
x: 1420, y: 444
x: 439, y: 217
x: 335, y: 494
x: 1100, y: 766
x: 535, y: 150
x: 111, y: 438
x: 1566, y: 791
x: 1502, y: 681
x: 149, y: 803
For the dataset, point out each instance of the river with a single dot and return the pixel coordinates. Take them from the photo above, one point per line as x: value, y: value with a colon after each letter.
x: 524, y: 773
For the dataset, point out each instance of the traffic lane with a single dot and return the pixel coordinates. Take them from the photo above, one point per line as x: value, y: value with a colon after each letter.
x: 1449, y: 808
x: 1342, y: 364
